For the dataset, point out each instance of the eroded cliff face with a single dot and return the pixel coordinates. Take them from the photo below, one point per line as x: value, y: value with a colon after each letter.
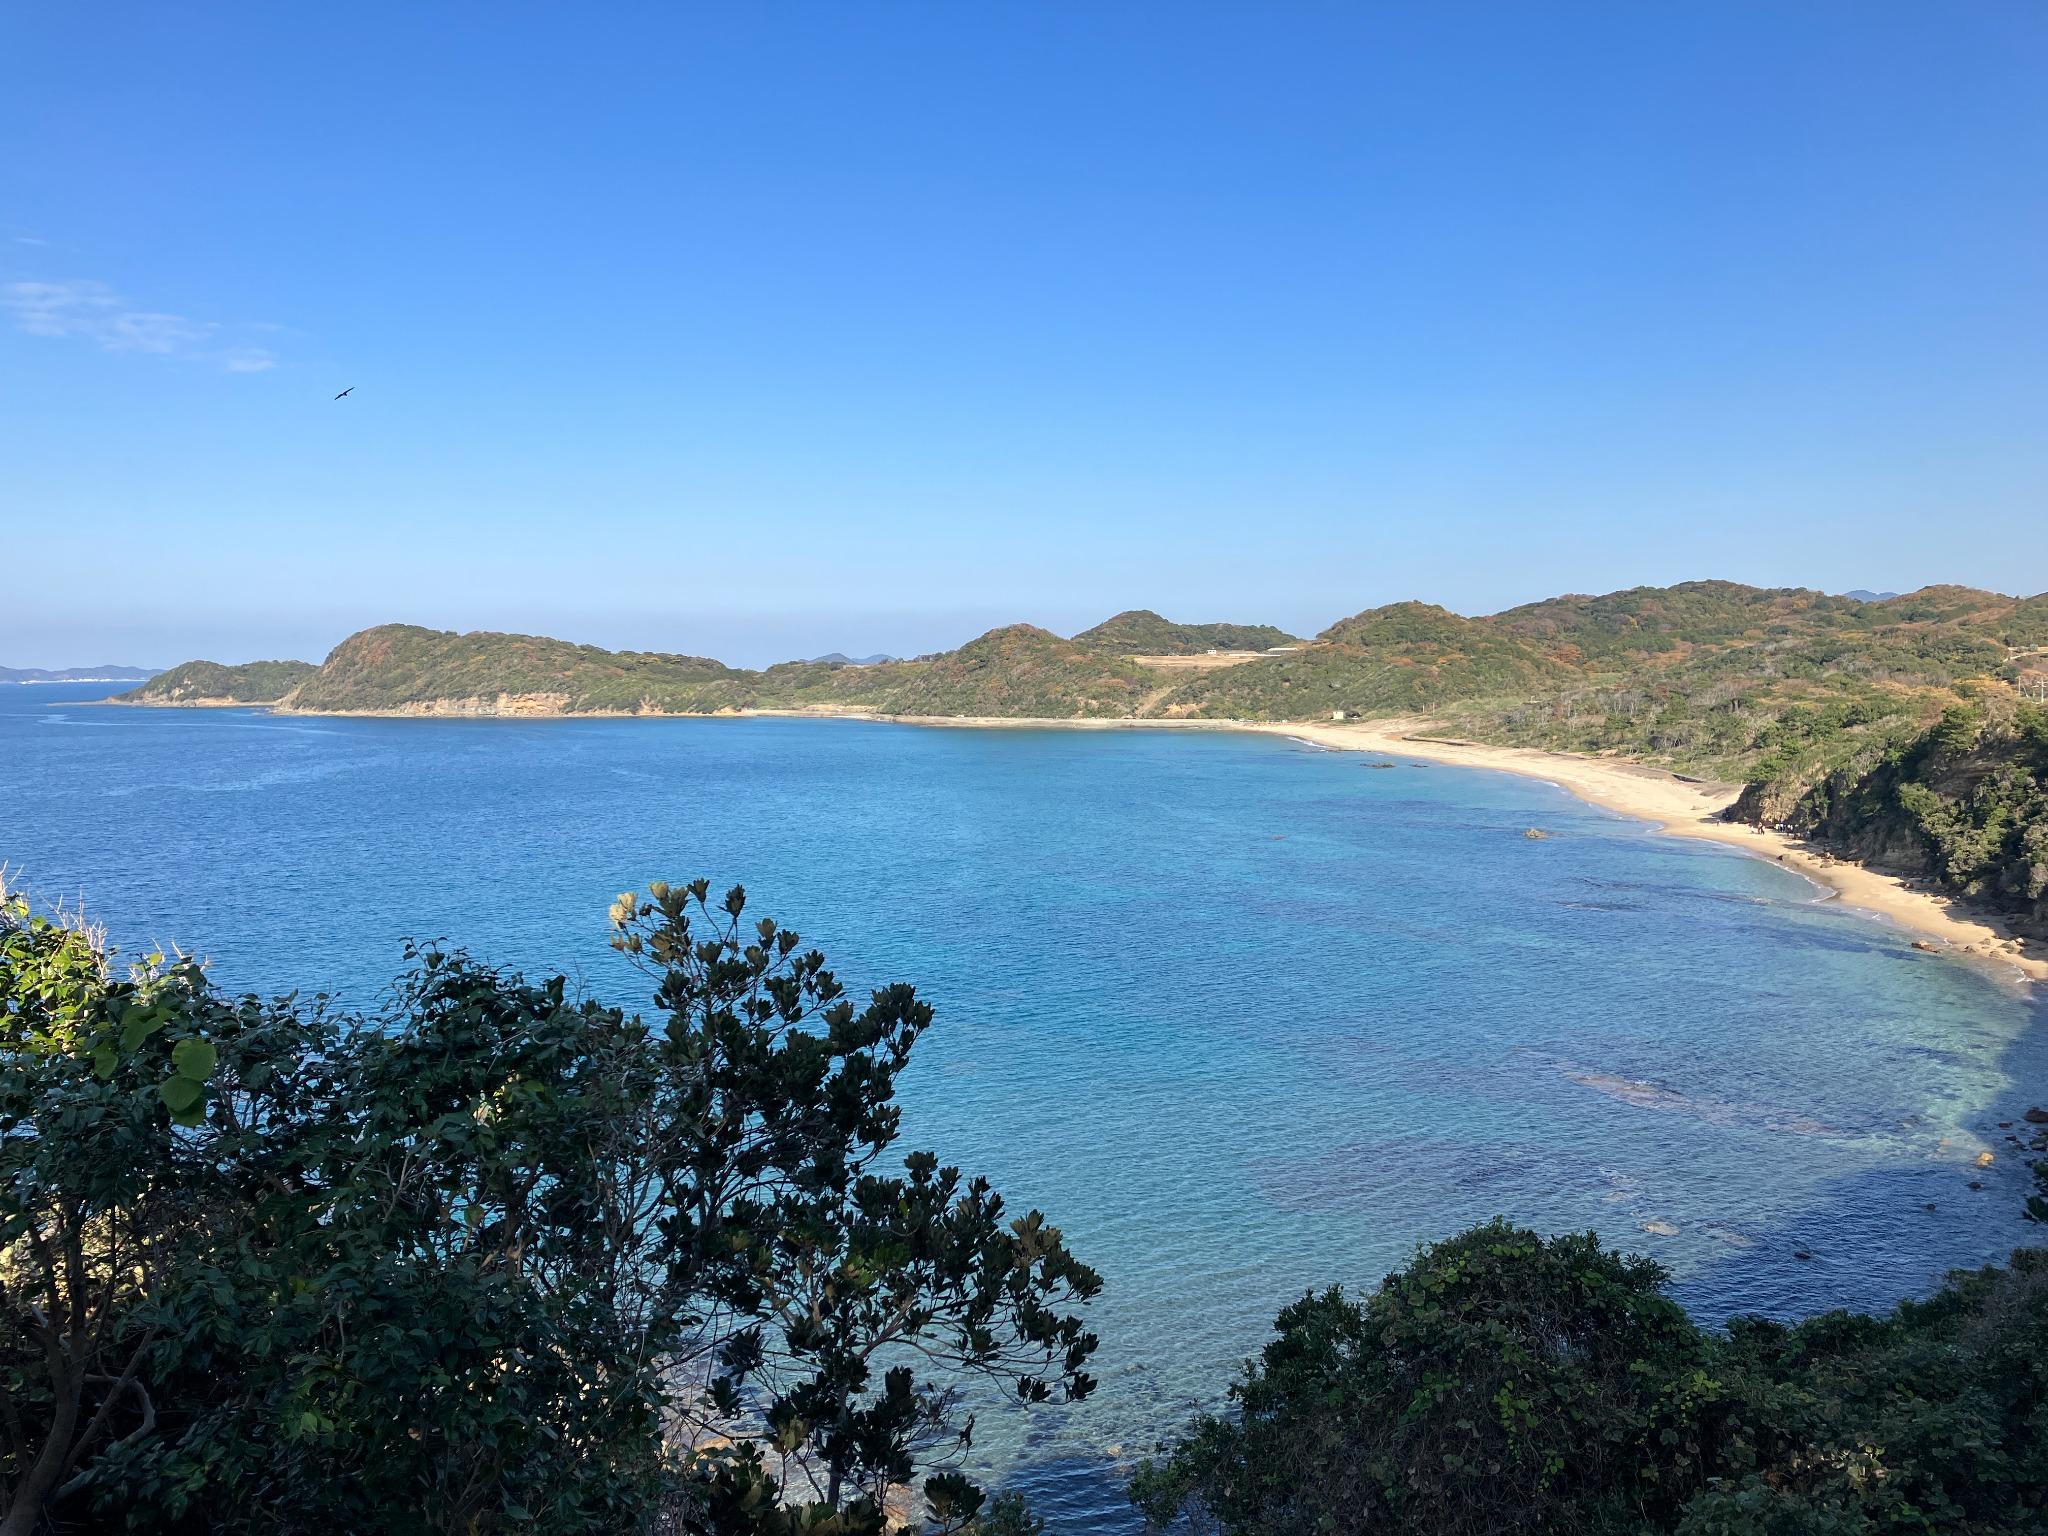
x: 1966, y: 804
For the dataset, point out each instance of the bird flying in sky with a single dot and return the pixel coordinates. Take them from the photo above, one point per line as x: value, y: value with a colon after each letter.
x: 349, y: 391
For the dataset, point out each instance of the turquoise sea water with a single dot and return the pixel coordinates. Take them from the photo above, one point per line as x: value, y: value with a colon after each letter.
x: 1244, y: 1017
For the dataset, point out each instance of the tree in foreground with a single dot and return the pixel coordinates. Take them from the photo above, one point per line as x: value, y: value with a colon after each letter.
x: 501, y: 1259
x: 1500, y: 1383
x: 1504, y: 1382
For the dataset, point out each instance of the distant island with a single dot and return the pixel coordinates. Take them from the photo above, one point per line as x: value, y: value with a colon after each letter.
x: 107, y: 674
x: 1907, y: 732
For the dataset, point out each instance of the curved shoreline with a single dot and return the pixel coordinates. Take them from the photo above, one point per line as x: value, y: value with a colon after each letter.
x: 1675, y: 806
x: 1688, y: 808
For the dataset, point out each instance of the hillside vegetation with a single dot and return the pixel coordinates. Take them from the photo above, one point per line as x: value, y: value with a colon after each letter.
x: 208, y: 682
x: 1406, y: 658
x: 1020, y: 671
x: 401, y: 666
x: 1964, y: 802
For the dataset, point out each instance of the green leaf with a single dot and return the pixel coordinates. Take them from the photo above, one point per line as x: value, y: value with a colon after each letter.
x: 141, y: 1024
x: 181, y: 1094
x: 195, y: 1059
x: 103, y: 1060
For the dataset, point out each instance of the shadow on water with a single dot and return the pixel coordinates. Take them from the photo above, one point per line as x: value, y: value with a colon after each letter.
x: 1876, y: 1236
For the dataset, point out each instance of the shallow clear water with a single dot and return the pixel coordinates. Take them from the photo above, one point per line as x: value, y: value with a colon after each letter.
x: 1242, y: 1016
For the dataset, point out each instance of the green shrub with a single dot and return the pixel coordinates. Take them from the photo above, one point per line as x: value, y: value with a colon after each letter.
x: 1503, y: 1382
x: 499, y: 1258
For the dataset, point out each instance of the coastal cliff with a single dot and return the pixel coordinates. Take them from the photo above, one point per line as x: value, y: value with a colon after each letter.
x: 1965, y: 803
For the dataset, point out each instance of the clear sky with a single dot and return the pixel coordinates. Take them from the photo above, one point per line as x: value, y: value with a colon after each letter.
x: 760, y: 330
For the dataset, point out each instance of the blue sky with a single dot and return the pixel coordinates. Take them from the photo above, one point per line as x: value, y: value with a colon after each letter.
x: 766, y: 330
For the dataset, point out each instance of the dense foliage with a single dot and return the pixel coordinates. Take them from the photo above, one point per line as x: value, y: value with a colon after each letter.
x: 1503, y: 1383
x: 498, y: 1258
x: 401, y: 666
x: 1965, y: 801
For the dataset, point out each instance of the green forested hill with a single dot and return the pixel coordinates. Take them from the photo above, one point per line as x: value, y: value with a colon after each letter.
x: 1748, y: 683
x: 203, y: 682
x: 1019, y: 671
x: 1405, y: 658
x: 1660, y: 621
x: 1141, y: 632
x: 401, y: 666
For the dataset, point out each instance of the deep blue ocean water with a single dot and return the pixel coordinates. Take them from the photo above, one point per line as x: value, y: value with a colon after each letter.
x: 1242, y: 1016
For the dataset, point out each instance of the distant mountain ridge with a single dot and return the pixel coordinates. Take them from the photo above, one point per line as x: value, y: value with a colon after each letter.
x: 107, y: 674
x: 1600, y: 662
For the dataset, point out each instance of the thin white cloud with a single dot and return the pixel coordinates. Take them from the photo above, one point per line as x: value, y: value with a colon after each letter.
x: 90, y: 311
